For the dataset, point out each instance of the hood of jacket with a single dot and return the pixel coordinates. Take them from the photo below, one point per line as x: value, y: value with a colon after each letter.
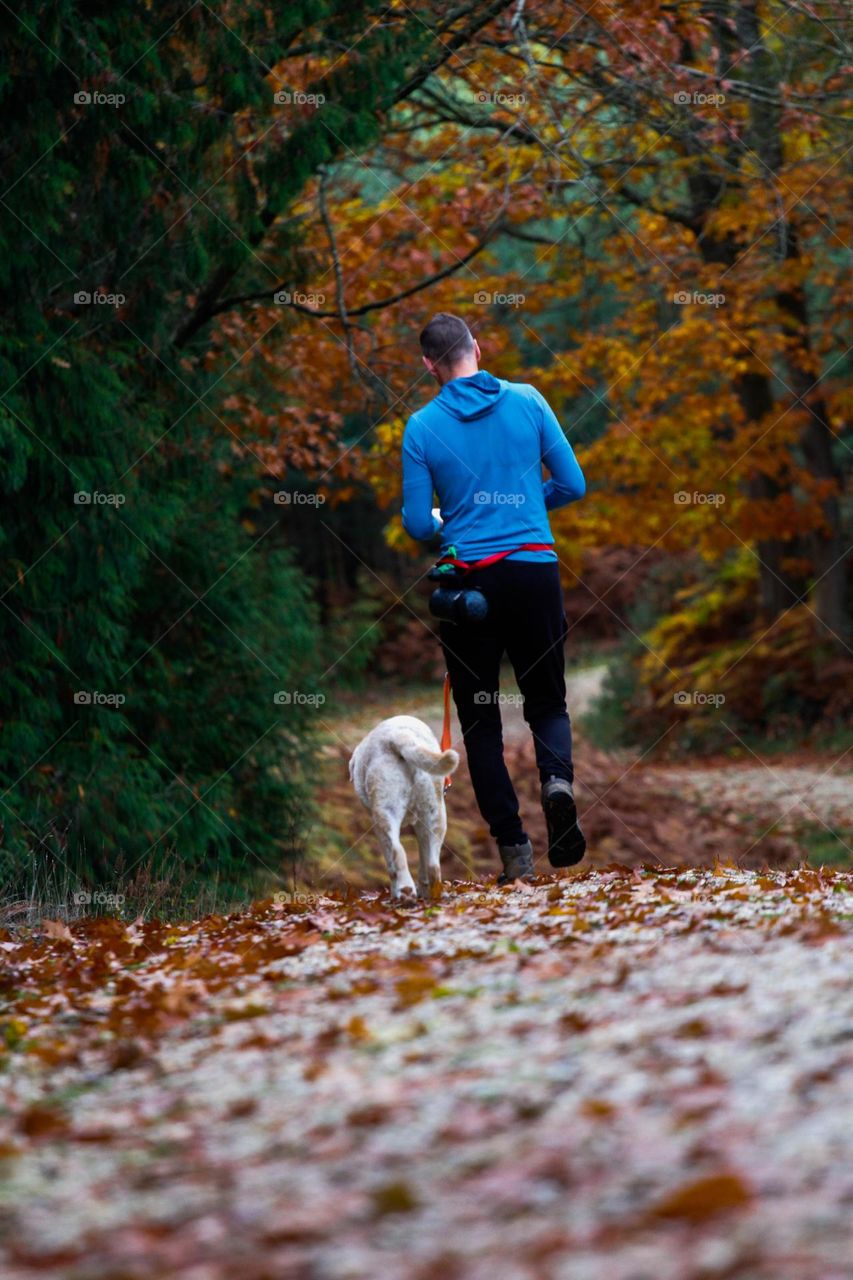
x: 473, y: 397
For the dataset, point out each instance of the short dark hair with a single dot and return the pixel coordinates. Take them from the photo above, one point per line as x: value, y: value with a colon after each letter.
x: 446, y: 340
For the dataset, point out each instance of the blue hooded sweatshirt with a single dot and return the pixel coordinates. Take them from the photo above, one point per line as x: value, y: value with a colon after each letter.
x: 480, y: 445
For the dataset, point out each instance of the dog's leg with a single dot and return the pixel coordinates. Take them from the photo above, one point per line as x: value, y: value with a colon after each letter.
x: 430, y: 833
x: 388, y: 832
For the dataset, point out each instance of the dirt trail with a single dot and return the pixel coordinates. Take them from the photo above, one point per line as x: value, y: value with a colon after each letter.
x: 616, y: 1075
x: 624, y: 1071
x: 634, y: 811
x: 821, y: 791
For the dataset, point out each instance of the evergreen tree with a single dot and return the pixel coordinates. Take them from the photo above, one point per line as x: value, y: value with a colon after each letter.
x: 145, y: 164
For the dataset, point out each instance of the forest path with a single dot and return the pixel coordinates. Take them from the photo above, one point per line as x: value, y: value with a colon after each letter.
x: 609, y: 1073
x: 636, y: 810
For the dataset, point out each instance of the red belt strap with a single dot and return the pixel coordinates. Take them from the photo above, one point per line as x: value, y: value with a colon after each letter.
x: 500, y: 555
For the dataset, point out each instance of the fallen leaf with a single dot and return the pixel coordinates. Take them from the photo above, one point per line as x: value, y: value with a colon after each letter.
x: 703, y: 1198
x: 394, y: 1197
x: 40, y: 1120
x: 57, y: 929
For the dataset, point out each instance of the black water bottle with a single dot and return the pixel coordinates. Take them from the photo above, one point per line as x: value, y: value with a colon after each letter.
x: 458, y: 604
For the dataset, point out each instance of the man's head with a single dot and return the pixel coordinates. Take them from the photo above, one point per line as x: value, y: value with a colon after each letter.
x: 449, y: 348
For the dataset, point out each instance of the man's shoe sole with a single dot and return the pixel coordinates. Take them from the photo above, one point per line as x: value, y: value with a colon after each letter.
x: 567, y: 844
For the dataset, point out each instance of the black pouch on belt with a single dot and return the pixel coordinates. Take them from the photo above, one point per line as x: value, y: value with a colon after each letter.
x: 453, y: 602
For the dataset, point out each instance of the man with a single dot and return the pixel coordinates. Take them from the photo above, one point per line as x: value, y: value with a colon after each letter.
x: 479, y: 445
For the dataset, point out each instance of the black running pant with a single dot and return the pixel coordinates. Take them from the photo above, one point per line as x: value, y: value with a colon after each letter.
x: 526, y: 620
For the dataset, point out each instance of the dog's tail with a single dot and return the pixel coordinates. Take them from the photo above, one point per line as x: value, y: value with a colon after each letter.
x: 419, y: 756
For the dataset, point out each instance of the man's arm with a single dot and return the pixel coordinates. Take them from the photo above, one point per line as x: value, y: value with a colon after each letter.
x: 418, y: 520
x: 567, y: 482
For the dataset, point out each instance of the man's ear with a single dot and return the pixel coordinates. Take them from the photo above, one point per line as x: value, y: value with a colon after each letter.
x: 477, y: 353
x: 428, y: 365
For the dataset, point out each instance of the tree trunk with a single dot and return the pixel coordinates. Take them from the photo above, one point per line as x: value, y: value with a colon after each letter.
x: 765, y: 139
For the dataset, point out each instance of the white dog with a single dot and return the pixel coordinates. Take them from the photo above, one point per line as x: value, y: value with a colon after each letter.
x: 397, y: 772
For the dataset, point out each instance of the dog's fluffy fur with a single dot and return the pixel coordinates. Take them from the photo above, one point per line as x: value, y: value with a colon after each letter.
x: 397, y: 772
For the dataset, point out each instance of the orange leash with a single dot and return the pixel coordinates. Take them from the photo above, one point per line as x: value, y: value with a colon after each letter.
x: 446, y: 740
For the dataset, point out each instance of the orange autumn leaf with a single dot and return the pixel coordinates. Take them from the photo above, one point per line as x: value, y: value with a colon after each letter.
x: 704, y: 1198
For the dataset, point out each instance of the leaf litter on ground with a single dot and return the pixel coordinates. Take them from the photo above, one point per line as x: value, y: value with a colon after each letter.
x: 621, y: 1072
